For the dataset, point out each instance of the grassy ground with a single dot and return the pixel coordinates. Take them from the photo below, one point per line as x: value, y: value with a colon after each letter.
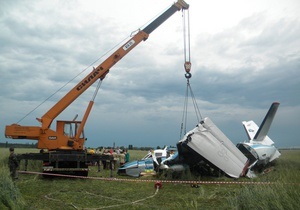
x: 34, y: 192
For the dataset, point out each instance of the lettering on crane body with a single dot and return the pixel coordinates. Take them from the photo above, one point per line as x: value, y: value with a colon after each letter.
x: 128, y: 44
x: 52, y: 137
x: 88, y: 80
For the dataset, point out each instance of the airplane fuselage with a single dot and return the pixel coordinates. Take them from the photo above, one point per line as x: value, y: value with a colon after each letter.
x: 263, y: 153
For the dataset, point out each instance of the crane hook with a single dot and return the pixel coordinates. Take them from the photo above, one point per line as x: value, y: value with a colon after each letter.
x: 188, y: 75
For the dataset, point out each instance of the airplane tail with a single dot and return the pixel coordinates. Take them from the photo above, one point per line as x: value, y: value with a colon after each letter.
x: 259, y: 134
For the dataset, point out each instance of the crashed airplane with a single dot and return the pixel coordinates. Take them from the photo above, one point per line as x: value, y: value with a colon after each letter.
x: 206, y: 149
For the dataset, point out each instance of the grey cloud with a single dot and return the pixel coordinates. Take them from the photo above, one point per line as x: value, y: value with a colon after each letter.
x: 237, y: 74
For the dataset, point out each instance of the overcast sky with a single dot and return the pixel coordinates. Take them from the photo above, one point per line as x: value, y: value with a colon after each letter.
x: 245, y: 55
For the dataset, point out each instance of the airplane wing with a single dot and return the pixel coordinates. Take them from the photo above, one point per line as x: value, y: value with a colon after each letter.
x: 208, y: 142
x: 266, y: 123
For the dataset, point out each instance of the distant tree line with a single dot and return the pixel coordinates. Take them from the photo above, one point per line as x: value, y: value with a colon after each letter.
x: 130, y: 147
x: 32, y: 145
x: 18, y: 145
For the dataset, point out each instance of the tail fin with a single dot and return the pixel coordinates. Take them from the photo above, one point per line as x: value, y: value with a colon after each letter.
x: 263, y: 130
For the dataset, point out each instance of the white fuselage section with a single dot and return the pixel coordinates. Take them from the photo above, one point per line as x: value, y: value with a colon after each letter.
x: 265, y: 153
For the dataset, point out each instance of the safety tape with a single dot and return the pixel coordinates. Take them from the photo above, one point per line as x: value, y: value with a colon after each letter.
x: 157, y: 181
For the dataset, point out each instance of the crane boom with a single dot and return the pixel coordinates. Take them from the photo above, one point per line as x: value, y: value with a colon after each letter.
x: 70, y: 139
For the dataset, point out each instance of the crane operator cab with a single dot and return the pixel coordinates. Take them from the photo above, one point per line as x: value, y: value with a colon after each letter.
x: 69, y: 130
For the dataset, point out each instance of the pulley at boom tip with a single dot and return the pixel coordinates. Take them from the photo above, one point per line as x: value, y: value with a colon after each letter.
x: 187, y: 66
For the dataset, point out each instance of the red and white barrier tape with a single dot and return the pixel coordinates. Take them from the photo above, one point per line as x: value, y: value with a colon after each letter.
x: 156, y: 181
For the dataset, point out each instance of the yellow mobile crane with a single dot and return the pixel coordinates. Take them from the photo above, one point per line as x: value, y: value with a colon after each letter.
x: 65, y: 145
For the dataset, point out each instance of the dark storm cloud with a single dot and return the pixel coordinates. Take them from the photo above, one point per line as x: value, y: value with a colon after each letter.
x: 260, y: 61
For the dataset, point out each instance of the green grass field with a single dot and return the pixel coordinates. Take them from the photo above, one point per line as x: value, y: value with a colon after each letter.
x: 35, y: 192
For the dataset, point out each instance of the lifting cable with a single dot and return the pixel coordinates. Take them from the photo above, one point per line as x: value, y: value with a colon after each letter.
x: 97, y: 88
x: 188, y: 75
x: 186, y: 42
x: 185, y: 108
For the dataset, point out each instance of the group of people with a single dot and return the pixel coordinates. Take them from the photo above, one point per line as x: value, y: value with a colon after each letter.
x: 120, y: 157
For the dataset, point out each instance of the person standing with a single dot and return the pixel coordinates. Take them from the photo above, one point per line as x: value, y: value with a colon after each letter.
x: 122, y: 158
x: 13, y: 163
x: 127, y: 156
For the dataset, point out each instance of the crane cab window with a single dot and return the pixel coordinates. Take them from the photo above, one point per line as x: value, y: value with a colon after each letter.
x: 69, y: 128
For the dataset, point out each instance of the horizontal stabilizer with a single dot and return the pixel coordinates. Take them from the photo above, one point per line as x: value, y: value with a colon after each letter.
x: 275, y: 155
x: 251, y: 128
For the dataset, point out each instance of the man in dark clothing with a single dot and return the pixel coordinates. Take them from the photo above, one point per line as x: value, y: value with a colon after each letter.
x: 13, y: 164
